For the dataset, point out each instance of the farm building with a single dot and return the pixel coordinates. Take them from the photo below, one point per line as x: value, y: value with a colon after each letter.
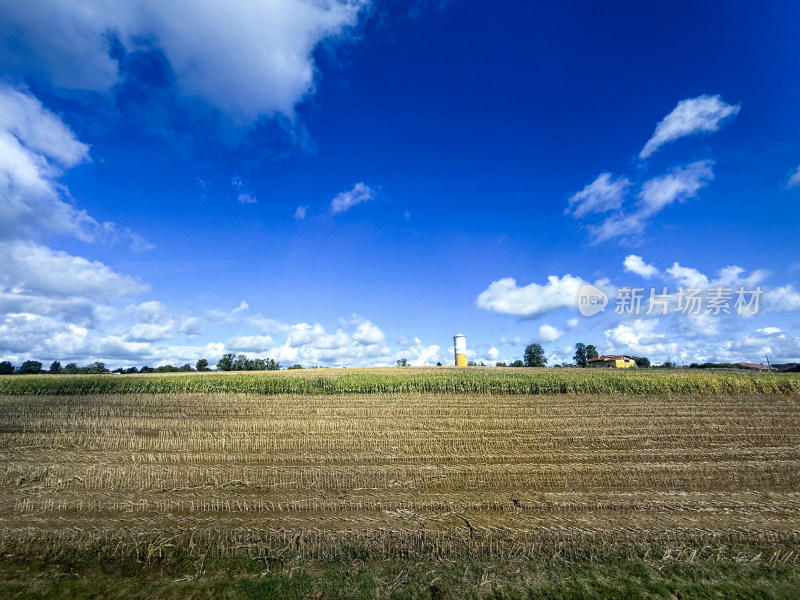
x: 612, y: 361
x: 757, y: 366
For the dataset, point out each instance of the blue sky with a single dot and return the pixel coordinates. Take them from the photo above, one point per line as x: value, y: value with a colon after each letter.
x: 347, y: 183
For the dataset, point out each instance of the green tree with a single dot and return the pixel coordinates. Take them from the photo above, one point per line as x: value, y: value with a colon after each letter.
x: 71, y: 369
x: 534, y: 356
x: 642, y: 361
x: 55, y: 367
x: 226, y: 362
x: 591, y: 352
x: 295, y: 366
x: 30, y: 367
x: 517, y: 363
x: 240, y: 363
x: 6, y: 368
x: 96, y: 367
x: 500, y: 364
x: 402, y: 362
x: 580, y: 357
x: 202, y: 365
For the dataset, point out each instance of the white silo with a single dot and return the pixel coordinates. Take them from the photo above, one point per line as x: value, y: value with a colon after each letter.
x: 460, y: 347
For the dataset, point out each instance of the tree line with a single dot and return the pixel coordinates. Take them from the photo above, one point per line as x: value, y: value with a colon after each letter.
x: 229, y: 362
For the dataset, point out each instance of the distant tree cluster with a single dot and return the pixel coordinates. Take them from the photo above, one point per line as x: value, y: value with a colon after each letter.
x: 34, y: 367
x: 187, y: 368
x: 232, y: 362
x: 30, y: 367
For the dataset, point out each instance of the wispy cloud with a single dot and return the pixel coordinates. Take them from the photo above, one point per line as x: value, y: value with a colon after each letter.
x: 602, y: 195
x: 794, y: 179
x: 703, y: 114
x: 346, y: 200
x: 243, y: 193
x: 221, y: 316
x: 627, y: 221
x: 300, y: 212
x: 680, y: 184
x: 676, y: 186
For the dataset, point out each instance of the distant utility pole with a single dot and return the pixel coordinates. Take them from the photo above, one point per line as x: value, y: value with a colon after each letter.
x: 768, y: 365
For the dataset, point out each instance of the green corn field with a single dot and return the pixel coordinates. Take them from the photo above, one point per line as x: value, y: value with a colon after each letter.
x: 424, y: 381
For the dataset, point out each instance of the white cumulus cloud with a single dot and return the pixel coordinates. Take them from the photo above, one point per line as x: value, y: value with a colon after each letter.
x: 505, y: 296
x: 250, y: 343
x: 703, y: 114
x: 548, y: 333
x: 248, y: 58
x: 639, y: 338
x: 769, y: 330
x: 368, y: 333
x: 31, y: 268
x: 784, y: 298
x: 36, y: 147
x: 635, y: 264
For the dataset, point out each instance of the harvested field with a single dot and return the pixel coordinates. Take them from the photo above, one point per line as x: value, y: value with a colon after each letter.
x: 581, y: 476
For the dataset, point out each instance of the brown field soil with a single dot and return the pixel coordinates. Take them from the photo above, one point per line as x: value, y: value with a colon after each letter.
x: 383, y: 475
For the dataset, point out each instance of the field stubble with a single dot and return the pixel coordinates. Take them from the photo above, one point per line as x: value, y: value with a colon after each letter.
x: 402, y: 474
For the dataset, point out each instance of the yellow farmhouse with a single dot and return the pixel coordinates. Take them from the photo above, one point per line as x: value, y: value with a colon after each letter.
x: 612, y: 361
